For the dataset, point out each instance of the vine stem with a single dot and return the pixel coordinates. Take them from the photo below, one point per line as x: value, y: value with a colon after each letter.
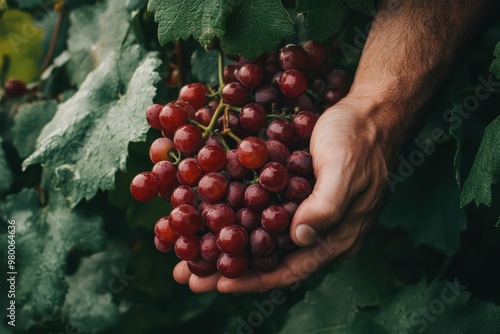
x: 210, y: 127
x: 53, y: 40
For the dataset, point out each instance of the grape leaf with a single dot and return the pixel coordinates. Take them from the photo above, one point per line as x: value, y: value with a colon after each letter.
x: 364, y: 6
x: 89, y: 305
x: 136, y: 4
x: 28, y: 124
x: 180, y: 19
x: 426, y: 202
x: 256, y: 27
x: 44, y: 237
x: 440, y: 307
x: 20, y: 45
x: 6, y: 176
x: 486, y: 168
x: 495, y: 65
x: 323, y: 17
x: 86, y: 142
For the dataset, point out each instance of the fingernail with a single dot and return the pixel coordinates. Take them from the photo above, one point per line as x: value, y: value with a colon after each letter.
x: 305, y: 234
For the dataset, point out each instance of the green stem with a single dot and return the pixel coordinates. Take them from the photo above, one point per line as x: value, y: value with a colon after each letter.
x: 200, y: 126
x: 237, y: 109
x: 230, y: 133
x: 218, y: 112
x: 223, y: 142
x: 175, y: 156
x: 221, y: 69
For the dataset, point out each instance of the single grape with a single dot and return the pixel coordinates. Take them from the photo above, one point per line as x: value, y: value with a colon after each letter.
x: 165, y: 173
x: 278, y: 152
x: 232, y: 265
x: 271, y: 66
x: 189, y: 172
x: 166, y: 192
x: 211, y: 158
x: 195, y: 94
x: 316, y: 54
x: 219, y: 215
x: 172, y: 116
x: 330, y: 96
x: 291, y: 208
x: 235, y: 195
x: 281, y: 130
x: 201, y: 267
x: 235, y: 94
x: 185, y: 220
x: 184, y: 195
x: 275, y: 219
x: 234, y: 124
x: 250, y: 75
x: 268, y: 95
x: 232, y: 239
x: 266, y: 264
x: 248, y: 218
x: 187, y: 247
x: 273, y: 177
x: 303, y: 102
x: 293, y: 57
x: 160, y: 149
x: 208, y: 247
x: 252, y: 152
x: 298, y: 188
x: 144, y: 187
x: 163, y: 246
x: 300, y: 163
x: 261, y: 243
x: 293, y: 83
x: 285, y: 241
x: 213, y: 140
x: 234, y: 168
x: 212, y: 187
x: 318, y: 86
x: 257, y: 198
x: 167, y: 134
x: 303, y: 124
x: 164, y: 232
x: 340, y: 80
x: 253, y: 117
x: 204, y: 116
x: 153, y: 116
x: 229, y: 73
x: 187, y: 139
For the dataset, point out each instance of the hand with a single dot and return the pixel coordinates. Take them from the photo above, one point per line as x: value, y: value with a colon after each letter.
x: 349, y: 148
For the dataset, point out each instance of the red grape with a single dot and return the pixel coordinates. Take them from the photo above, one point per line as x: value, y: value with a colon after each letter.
x: 232, y: 265
x: 163, y: 246
x: 185, y: 220
x: 187, y: 247
x: 212, y: 187
x: 165, y: 173
x: 293, y: 83
x: 303, y: 124
x: 195, y: 94
x: 172, y: 116
x: 252, y: 152
x: 144, y: 187
x: 235, y: 94
x: 261, y: 243
x: 248, y: 219
x: 164, y: 232
x: 300, y: 163
x: 153, y: 116
x: 278, y: 152
x: 189, y: 172
x: 253, y: 117
x: 232, y: 239
x: 293, y: 57
x: 159, y: 150
x: 281, y: 130
x: 273, y: 177
x: 183, y: 195
x: 219, y: 215
x: 201, y: 267
x: 257, y: 198
x: 187, y: 139
x: 298, y: 188
x: 275, y: 219
x: 234, y: 168
x: 211, y: 158
x: 266, y: 264
x: 235, y: 195
x: 316, y: 54
x: 250, y: 75
x: 208, y: 247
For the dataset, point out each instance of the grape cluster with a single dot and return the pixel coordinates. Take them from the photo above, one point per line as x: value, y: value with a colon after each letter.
x: 234, y: 162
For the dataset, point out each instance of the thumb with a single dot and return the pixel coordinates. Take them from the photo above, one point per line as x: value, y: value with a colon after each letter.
x: 323, y: 209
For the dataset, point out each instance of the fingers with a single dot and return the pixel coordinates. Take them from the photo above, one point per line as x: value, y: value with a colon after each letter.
x: 182, y: 273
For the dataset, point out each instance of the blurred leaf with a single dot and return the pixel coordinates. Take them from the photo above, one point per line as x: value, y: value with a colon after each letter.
x: 136, y: 4
x: 180, y: 19
x: 44, y: 238
x: 425, y: 201
x: 6, y: 176
x: 364, y: 6
x: 323, y: 17
x: 89, y: 305
x: 457, y: 133
x: 86, y: 142
x: 20, y: 45
x: 204, y: 66
x: 495, y: 66
x: 486, y: 168
x: 28, y: 124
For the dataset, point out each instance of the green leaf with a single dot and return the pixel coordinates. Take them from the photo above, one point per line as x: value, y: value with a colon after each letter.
x: 86, y: 142
x: 44, y: 237
x: 323, y: 17
x: 340, y: 304
x: 486, y: 168
x: 6, y: 176
x: 29, y: 3
x: 136, y: 4
x: 28, y: 124
x: 89, y: 303
x: 180, y: 19
x: 256, y: 27
x: 495, y: 65
x: 364, y: 6
x: 425, y: 200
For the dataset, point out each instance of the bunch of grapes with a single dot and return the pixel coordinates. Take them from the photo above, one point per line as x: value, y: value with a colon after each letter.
x: 233, y: 160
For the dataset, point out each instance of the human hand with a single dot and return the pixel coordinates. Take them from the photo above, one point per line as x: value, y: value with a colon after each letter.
x: 350, y: 149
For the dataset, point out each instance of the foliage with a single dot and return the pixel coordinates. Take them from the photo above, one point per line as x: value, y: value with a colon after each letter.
x: 69, y: 149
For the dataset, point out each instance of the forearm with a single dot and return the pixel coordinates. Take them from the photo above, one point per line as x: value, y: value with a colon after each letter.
x: 409, y: 51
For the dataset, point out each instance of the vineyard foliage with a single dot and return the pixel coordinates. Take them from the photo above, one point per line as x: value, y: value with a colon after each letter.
x: 85, y: 256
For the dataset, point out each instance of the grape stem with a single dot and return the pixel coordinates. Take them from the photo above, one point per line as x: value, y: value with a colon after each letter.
x: 200, y: 126
x: 176, y: 156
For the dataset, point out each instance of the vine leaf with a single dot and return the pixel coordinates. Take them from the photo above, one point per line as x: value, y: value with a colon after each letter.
x: 323, y: 17
x: 495, y: 66
x: 486, y: 168
x: 87, y: 140
x: 180, y: 19
x: 28, y: 124
x: 256, y: 27
x: 364, y: 6
x: 44, y: 238
x: 6, y: 176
